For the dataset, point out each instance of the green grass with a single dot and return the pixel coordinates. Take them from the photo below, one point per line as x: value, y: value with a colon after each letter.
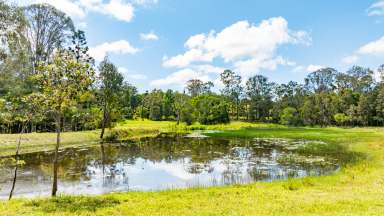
x: 357, y: 189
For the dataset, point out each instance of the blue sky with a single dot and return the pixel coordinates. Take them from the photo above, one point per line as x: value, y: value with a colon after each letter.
x: 163, y: 43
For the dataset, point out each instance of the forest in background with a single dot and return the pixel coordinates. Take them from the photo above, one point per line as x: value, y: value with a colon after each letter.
x: 49, y: 81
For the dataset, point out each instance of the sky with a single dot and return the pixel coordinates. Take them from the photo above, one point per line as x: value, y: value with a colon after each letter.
x: 164, y: 43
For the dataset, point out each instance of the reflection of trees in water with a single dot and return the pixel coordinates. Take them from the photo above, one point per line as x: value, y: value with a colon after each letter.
x: 241, y: 157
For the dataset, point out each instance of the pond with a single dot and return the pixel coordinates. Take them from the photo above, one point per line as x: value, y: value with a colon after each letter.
x: 165, y: 163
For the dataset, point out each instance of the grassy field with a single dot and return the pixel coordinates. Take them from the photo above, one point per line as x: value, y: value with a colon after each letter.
x: 357, y: 189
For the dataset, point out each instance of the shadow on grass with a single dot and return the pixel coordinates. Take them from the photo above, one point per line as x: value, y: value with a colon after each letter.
x: 72, y: 203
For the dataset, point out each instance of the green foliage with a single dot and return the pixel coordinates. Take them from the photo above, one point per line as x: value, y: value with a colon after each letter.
x: 341, y: 118
x: 210, y: 109
x: 289, y: 116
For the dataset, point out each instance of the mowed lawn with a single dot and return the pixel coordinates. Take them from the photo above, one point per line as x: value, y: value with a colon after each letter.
x: 357, y: 189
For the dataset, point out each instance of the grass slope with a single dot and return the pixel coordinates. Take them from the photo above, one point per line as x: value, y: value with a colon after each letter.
x: 358, y: 189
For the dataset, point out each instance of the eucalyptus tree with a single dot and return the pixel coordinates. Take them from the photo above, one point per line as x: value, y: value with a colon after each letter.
x: 61, y: 83
x: 48, y: 29
x: 183, y: 108
x: 259, y: 92
x: 322, y: 80
x: 111, y: 82
x: 197, y: 87
x: 13, y: 50
x: 361, y: 79
x: 232, y: 88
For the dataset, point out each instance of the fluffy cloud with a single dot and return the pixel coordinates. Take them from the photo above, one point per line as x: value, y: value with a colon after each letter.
x: 180, y: 77
x: 72, y: 8
x: 311, y: 67
x: 373, y: 48
x: 117, y: 47
x: 376, y: 9
x: 122, y: 10
x: 348, y: 60
x: 246, y: 46
x: 151, y: 36
x: 145, y: 2
x: 131, y: 76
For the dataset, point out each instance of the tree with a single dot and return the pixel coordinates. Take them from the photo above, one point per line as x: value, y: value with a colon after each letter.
x: 79, y: 47
x: 380, y: 69
x: 27, y: 108
x: 197, y: 87
x: 111, y: 83
x: 61, y: 83
x: 340, y: 118
x: 48, y: 29
x: 259, y: 92
x: 210, y: 109
x: 129, y: 100
x: 183, y: 108
x: 289, y: 116
x: 232, y: 88
x: 361, y: 79
x: 322, y: 80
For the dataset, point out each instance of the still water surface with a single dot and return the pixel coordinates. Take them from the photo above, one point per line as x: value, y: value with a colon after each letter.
x: 165, y: 163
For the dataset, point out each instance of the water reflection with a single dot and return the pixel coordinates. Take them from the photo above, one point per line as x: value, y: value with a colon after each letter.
x: 158, y: 164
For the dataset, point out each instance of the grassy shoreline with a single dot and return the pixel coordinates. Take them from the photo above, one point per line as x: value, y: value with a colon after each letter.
x: 357, y: 189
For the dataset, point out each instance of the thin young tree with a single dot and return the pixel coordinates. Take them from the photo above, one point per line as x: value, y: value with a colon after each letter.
x: 25, y: 109
x: 61, y: 83
x: 111, y: 82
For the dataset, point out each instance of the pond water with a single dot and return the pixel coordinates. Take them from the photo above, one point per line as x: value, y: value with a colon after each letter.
x: 157, y: 164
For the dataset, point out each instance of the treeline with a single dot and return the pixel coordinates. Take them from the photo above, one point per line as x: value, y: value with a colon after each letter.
x: 47, y: 78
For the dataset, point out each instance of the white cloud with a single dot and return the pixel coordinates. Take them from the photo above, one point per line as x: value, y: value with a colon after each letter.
x: 308, y: 68
x: 151, y: 36
x: 183, y: 60
x: 70, y: 7
x: 118, y: 9
x: 145, y: 2
x: 130, y: 75
x: 179, y: 78
x: 312, y: 68
x: 254, y: 65
x: 122, y: 10
x: 117, y: 47
x: 373, y: 48
x: 348, y: 60
x: 247, y: 46
x: 376, y: 9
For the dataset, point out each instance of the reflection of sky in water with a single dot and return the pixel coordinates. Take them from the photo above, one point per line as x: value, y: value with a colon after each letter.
x: 156, y: 167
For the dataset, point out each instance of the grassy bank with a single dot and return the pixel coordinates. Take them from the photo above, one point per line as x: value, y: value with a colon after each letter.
x: 358, y: 189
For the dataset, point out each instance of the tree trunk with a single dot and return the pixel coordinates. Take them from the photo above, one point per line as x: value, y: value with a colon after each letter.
x: 237, y: 110
x: 103, y: 124
x: 56, y: 159
x: 178, y: 116
x: 17, y: 163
